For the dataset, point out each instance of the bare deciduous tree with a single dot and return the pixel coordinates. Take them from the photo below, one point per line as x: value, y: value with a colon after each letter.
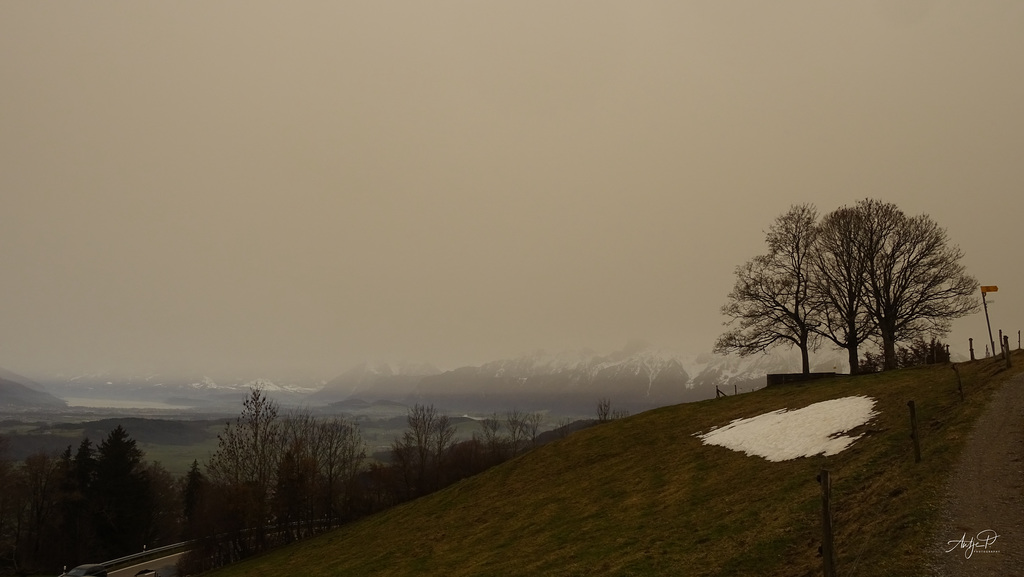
x: 298, y: 467
x: 247, y: 450
x: 444, y: 435
x: 493, y: 439
x: 563, y: 427
x: 840, y: 272
x: 245, y: 465
x: 342, y: 455
x: 422, y: 446
x: 292, y: 472
x: 864, y: 272
x: 771, y: 302
x: 165, y: 521
x: 515, y: 424
x: 916, y: 284
x: 37, y: 486
x: 533, y: 422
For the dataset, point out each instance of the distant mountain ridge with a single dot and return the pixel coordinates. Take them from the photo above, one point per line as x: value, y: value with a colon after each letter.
x: 634, y: 378
x: 375, y: 381
x: 18, y: 392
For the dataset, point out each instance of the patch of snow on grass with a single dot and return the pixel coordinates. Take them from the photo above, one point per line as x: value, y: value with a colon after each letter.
x: 782, y: 435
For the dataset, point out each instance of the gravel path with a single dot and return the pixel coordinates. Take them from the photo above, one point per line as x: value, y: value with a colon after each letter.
x: 985, y: 495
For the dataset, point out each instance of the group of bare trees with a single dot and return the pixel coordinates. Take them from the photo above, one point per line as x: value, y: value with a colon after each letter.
x: 98, y: 502
x: 427, y: 456
x: 419, y: 455
x: 275, y: 479
x: 606, y: 414
x: 863, y: 273
x: 272, y: 479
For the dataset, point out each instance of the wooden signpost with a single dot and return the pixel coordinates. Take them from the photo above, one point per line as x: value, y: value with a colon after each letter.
x: 985, y: 290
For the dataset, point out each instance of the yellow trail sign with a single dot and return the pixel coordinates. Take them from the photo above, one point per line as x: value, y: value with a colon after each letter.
x: 989, y: 289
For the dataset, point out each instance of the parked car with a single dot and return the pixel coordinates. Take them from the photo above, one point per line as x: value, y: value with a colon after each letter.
x: 92, y: 570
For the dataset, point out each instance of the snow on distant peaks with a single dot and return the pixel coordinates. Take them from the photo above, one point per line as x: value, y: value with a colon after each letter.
x: 387, y: 368
x: 588, y: 358
x: 204, y: 383
x: 783, y: 434
x: 208, y: 384
x: 270, y: 386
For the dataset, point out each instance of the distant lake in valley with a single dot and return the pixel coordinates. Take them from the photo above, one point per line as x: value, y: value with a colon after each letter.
x: 121, y: 404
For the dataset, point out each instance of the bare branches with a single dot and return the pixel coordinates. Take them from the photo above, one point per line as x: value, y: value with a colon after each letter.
x: 839, y: 273
x: 863, y: 272
x: 771, y: 302
x: 294, y: 473
x: 604, y: 410
x: 915, y: 282
x: 515, y: 424
x: 423, y: 447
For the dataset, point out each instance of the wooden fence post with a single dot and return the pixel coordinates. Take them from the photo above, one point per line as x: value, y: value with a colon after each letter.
x: 828, y: 557
x: 913, y: 432
x: 959, y: 382
x: 1006, y: 351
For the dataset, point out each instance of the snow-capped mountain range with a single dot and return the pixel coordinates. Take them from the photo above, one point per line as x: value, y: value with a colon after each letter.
x: 208, y: 384
x: 634, y: 378
x: 375, y: 381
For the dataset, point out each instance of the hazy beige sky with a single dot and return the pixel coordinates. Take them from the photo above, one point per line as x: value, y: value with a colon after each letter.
x: 295, y: 187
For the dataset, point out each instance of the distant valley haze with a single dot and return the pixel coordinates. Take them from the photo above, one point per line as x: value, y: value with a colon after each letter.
x: 635, y: 378
x: 245, y: 190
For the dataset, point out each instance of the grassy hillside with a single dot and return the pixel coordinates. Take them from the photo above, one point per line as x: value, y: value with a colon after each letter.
x: 643, y: 496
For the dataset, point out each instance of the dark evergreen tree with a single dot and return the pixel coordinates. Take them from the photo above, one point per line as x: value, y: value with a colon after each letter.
x: 77, y: 536
x: 9, y: 507
x: 191, y: 496
x: 84, y: 464
x: 122, y: 496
